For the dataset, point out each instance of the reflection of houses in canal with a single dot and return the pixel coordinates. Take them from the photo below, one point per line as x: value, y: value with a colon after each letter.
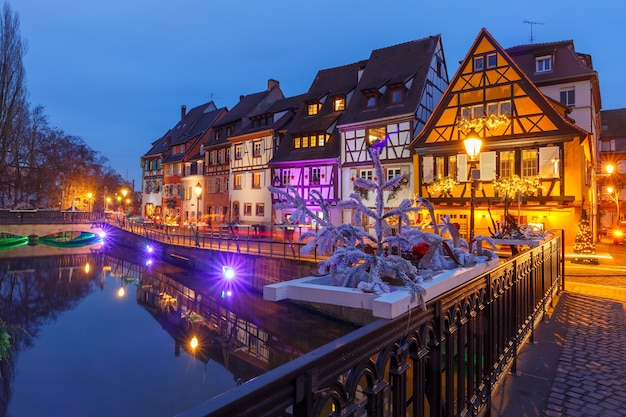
x: 227, y: 329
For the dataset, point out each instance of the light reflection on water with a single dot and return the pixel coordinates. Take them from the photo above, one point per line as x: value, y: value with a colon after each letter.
x: 80, y: 349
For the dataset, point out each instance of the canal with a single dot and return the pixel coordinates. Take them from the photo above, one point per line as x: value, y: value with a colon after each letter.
x: 106, y: 332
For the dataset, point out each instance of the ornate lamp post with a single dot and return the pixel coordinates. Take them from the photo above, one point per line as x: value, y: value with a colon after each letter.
x: 198, y: 191
x: 89, y: 197
x: 472, y: 144
x: 124, y: 192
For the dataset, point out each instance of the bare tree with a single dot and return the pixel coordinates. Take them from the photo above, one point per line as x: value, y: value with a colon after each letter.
x: 13, y: 104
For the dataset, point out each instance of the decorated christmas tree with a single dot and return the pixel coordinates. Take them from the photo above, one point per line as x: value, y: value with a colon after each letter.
x: 583, y: 244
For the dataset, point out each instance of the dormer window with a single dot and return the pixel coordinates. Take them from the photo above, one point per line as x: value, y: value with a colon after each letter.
x: 543, y: 64
x: 370, y: 100
x: 339, y: 104
x: 313, y: 109
x: 396, y: 95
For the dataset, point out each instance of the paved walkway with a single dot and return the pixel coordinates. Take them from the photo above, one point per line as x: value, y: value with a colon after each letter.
x: 577, y: 364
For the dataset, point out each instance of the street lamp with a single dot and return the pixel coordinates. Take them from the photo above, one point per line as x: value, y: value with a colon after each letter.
x: 198, y: 191
x: 472, y: 144
x: 89, y: 196
x: 614, y: 193
x: 124, y: 192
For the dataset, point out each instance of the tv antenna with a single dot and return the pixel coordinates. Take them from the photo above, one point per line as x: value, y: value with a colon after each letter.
x: 528, y: 22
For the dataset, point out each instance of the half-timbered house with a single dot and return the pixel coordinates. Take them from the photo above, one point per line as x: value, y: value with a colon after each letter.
x: 255, y: 145
x: 220, y: 153
x: 524, y: 135
x: 182, y: 143
x: 568, y: 76
x: 613, y: 180
x: 309, y: 158
x: 396, y: 93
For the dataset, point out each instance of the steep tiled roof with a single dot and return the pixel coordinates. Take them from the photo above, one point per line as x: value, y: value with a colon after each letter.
x: 282, y: 111
x: 567, y: 64
x: 328, y: 83
x: 613, y: 123
x: 391, y: 66
x: 252, y: 104
x: 195, y: 120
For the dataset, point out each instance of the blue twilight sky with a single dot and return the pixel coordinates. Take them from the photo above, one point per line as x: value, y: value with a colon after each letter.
x: 116, y: 72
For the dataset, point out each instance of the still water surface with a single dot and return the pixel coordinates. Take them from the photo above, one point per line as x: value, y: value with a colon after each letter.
x: 81, y: 348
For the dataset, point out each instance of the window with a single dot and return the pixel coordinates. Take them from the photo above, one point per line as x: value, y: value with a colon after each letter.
x: 247, y: 209
x: 396, y: 95
x: 529, y: 163
x: 238, y: 181
x: 313, y: 109
x: 256, y: 148
x: 217, y: 185
x: 305, y: 141
x: 543, y: 63
x: 370, y: 100
x: 393, y: 172
x: 256, y: 180
x: 452, y: 167
x: 368, y: 174
x: 238, y: 151
x: 499, y: 108
x: 376, y: 135
x: 339, y: 104
x: 568, y: 97
x: 479, y: 63
x: 227, y: 155
x: 212, y: 158
x: 440, y: 167
x: 297, y: 142
x: 220, y: 156
x: 507, y: 164
x: 315, y: 175
x: 473, y: 112
x: 260, y: 209
x: 492, y: 60
x: 225, y: 184
x: 321, y: 139
x: 286, y: 176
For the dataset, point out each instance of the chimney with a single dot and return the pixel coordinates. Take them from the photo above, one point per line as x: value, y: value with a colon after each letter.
x: 183, y: 111
x: 271, y: 84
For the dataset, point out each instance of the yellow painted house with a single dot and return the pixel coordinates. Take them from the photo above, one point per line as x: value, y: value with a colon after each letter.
x: 526, y: 136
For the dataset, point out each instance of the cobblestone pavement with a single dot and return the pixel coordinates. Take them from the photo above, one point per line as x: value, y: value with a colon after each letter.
x: 576, y: 366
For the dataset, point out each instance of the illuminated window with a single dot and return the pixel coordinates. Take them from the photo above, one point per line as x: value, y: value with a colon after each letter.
x: 339, y: 104
x: 321, y: 140
x: 313, y: 109
x: 256, y: 148
x: 238, y: 151
x: 543, y: 63
x: 238, y: 181
x: 440, y: 167
x: 452, y: 167
x: 529, y: 163
x: 256, y: 180
x: 297, y: 142
x: 507, y: 163
x: 376, y: 135
x: 305, y: 141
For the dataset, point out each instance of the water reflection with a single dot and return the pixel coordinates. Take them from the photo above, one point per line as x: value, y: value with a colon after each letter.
x: 79, y: 320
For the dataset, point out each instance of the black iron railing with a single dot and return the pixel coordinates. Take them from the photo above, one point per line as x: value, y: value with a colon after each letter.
x: 443, y: 361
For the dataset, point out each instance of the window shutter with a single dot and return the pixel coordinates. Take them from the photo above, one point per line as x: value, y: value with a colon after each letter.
x: 487, y: 166
x: 461, y: 167
x: 428, y: 169
x: 549, y: 162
